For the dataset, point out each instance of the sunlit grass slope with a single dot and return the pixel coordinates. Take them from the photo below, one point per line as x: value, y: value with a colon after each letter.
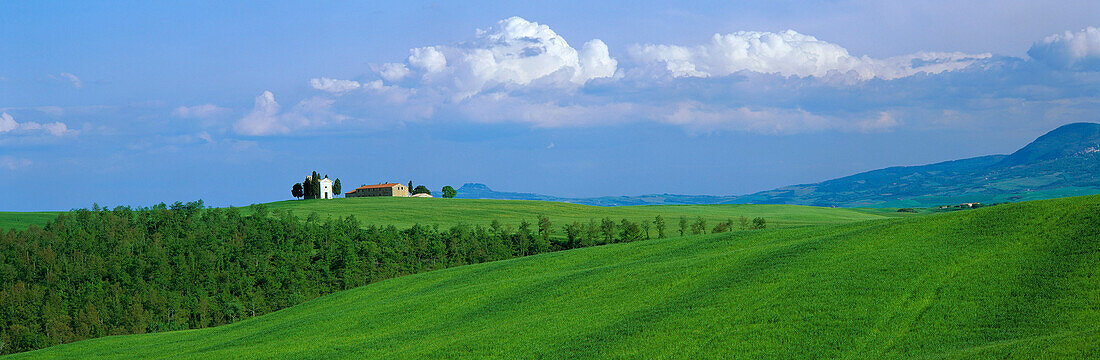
x: 1010, y: 281
x: 20, y: 220
x: 404, y: 212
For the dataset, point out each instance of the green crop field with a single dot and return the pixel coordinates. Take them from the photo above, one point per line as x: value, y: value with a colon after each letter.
x: 20, y: 220
x: 1009, y: 281
x: 404, y: 212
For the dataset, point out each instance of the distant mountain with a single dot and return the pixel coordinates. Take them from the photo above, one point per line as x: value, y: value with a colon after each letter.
x: 1063, y: 162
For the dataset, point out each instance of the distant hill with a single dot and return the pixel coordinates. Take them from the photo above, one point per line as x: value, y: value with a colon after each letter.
x: 1063, y: 162
x: 1014, y: 281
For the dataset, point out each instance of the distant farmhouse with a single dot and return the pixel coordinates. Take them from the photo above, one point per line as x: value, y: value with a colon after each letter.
x: 390, y: 189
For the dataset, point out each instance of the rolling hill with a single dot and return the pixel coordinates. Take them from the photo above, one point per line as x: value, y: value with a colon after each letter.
x: 404, y: 212
x: 1009, y: 281
x: 1063, y: 162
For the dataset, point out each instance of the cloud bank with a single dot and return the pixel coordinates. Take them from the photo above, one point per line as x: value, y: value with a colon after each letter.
x: 1070, y: 51
x: 520, y: 71
x: 789, y: 53
x: 9, y: 125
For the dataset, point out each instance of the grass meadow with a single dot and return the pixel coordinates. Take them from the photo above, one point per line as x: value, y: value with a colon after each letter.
x: 1009, y: 281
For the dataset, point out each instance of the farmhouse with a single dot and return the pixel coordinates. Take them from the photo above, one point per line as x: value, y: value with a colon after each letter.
x: 390, y: 189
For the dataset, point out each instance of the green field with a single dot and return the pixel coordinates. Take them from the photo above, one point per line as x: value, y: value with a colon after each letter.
x: 1009, y: 281
x: 20, y: 220
x: 404, y: 212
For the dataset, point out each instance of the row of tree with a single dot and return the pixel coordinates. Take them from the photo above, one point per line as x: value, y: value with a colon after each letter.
x: 310, y: 188
x: 448, y: 191
x: 99, y: 272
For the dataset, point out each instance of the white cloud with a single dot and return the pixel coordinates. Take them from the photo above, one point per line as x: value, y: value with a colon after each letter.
x: 428, y: 58
x: 8, y: 124
x: 516, y: 52
x: 72, y: 79
x: 199, y: 111
x: 56, y: 128
x: 266, y: 118
x: 523, y: 72
x: 393, y: 71
x: 334, y: 85
x: 789, y: 53
x: 263, y: 119
x: 1071, y: 51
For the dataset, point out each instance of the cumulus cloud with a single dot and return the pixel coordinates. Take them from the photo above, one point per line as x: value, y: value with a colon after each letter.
x: 789, y: 53
x: 520, y: 71
x: 9, y: 125
x: 515, y: 52
x: 199, y: 111
x: 1070, y: 50
x: 393, y: 71
x: 266, y: 117
x: 334, y: 85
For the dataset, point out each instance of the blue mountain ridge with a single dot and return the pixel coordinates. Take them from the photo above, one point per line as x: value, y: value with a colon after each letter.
x: 1062, y: 162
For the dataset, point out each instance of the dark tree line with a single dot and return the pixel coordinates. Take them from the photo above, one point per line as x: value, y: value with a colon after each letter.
x: 98, y: 272
x: 310, y: 188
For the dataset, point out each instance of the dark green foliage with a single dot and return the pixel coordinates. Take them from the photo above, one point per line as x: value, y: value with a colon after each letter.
x: 683, y: 226
x: 421, y: 189
x: 759, y: 223
x: 449, y: 192
x: 607, y: 229
x: 629, y: 231
x: 336, y: 189
x: 699, y: 226
x: 307, y: 189
x: 315, y: 184
x: 907, y: 210
x: 720, y: 228
x: 659, y: 222
x: 99, y: 272
x: 296, y: 191
x: 744, y: 222
x: 545, y: 229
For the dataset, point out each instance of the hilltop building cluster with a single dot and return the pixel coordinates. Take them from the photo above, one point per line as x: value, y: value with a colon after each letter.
x: 315, y: 187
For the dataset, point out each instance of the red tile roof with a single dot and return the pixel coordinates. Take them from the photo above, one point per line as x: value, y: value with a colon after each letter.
x: 374, y: 187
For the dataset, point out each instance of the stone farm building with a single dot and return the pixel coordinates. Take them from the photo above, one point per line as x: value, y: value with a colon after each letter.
x: 379, y: 190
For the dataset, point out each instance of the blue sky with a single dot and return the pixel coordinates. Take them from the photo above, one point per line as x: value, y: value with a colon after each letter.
x: 137, y: 103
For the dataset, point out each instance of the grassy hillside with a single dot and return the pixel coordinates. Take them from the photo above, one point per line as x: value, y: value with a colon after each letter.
x: 20, y: 220
x: 404, y: 212
x: 1010, y: 281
